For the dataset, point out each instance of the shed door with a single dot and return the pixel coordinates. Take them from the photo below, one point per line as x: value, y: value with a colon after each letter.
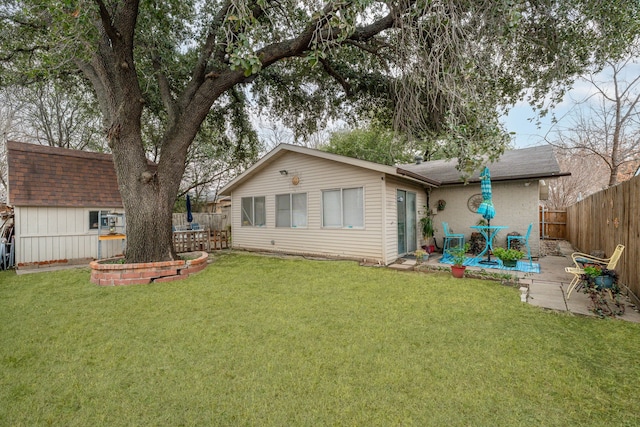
x: 406, y: 202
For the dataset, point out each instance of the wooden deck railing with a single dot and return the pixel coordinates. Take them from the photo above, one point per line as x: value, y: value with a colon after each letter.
x: 200, y: 240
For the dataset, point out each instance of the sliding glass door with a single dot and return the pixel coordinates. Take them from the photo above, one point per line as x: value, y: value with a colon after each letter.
x: 407, y: 226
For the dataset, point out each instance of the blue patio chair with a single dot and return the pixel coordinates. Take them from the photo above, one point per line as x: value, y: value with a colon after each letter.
x: 449, y: 236
x: 524, y: 240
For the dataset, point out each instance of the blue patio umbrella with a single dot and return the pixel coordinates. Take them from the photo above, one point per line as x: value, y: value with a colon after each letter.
x: 486, y: 208
x: 189, y: 214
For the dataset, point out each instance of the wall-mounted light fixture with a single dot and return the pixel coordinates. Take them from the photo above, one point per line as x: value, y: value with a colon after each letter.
x: 526, y: 184
x: 284, y: 172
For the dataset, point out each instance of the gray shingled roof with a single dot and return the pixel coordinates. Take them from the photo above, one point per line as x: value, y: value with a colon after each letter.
x: 526, y: 163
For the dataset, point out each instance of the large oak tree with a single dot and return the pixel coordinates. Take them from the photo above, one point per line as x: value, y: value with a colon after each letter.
x: 431, y: 67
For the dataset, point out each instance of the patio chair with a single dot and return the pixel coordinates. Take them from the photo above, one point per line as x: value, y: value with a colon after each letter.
x: 581, y: 259
x: 524, y: 240
x: 449, y: 236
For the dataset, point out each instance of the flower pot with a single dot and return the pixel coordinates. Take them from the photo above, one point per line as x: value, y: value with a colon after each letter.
x: 605, y: 282
x: 458, y: 271
x: 422, y: 258
x: 510, y: 262
x: 429, y: 248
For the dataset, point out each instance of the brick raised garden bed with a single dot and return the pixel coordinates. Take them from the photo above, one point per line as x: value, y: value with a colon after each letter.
x: 108, y: 273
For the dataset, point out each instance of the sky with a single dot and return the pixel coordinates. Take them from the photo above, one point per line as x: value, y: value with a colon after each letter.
x: 522, y: 119
x: 530, y: 130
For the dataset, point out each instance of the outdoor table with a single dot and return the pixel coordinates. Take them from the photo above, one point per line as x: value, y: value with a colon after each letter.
x: 488, y: 232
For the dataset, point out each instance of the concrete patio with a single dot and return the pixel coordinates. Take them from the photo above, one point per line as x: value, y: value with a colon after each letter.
x: 548, y: 289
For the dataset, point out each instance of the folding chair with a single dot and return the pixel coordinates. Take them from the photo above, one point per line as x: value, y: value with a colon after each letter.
x: 449, y: 236
x: 581, y: 259
x: 523, y: 240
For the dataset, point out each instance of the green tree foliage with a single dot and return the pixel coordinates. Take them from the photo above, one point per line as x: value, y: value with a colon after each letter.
x: 428, y: 67
x: 374, y: 145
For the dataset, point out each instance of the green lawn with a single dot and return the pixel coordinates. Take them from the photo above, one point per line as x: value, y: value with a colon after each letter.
x: 263, y: 341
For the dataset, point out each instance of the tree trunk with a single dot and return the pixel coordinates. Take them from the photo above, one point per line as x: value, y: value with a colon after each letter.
x: 148, y: 194
x: 149, y: 220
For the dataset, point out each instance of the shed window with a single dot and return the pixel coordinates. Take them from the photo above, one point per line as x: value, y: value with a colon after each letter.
x: 253, y: 211
x: 343, y: 208
x: 291, y: 210
x: 93, y: 219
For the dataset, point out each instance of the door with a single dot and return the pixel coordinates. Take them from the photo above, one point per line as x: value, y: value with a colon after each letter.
x: 407, y: 225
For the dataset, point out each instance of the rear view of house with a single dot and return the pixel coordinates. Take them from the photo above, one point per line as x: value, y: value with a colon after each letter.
x: 304, y: 201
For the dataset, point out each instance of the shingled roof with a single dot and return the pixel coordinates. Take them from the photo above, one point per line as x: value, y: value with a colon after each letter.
x: 51, y: 176
x: 526, y: 163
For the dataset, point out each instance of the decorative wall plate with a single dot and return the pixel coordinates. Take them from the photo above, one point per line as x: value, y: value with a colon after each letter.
x: 474, y: 202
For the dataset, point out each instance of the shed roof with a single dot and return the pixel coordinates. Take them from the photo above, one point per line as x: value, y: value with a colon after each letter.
x: 283, y: 149
x: 51, y: 176
x: 526, y: 163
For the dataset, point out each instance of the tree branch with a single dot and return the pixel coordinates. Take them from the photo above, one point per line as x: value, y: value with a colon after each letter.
x: 210, y: 43
x: 165, y: 90
x: 333, y: 73
x: 93, y: 76
x: 292, y: 47
x: 107, y: 22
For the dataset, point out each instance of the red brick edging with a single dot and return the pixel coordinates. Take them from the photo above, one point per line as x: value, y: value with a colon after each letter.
x: 142, y: 273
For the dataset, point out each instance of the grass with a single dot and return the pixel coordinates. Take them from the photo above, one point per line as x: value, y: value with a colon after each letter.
x: 264, y: 341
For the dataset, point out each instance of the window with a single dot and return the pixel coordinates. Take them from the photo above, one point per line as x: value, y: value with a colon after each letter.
x: 291, y: 210
x: 93, y: 219
x: 343, y: 208
x: 253, y: 211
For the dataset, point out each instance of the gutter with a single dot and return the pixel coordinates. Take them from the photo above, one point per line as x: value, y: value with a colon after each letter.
x: 416, y: 176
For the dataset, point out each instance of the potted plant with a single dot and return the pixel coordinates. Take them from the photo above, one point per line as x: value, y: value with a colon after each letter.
x: 599, y: 277
x: 421, y: 255
x: 598, y: 283
x: 458, y: 253
x: 428, y: 230
x: 509, y: 257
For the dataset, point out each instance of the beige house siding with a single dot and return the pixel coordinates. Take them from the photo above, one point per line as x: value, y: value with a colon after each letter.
x: 315, y: 175
x: 392, y: 185
x: 516, y: 207
x: 516, y: 189
x: 54, y: 234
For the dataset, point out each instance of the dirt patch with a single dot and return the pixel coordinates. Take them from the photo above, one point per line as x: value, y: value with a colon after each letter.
x: 555, y: 248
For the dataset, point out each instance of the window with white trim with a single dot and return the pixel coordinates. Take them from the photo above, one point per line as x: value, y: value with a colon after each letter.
x: 343, y: 208
x: 291, y: 210
x: 253, y: 212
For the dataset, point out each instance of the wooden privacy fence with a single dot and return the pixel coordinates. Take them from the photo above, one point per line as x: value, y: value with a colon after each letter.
x: 606, y: 219
x: 212, y: 221
x: 553, y: 224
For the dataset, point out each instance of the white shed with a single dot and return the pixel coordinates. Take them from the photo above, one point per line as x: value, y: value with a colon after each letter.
x: 58, y: 195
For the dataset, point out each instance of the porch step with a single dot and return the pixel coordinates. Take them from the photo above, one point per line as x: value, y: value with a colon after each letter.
x: 405, y: 265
